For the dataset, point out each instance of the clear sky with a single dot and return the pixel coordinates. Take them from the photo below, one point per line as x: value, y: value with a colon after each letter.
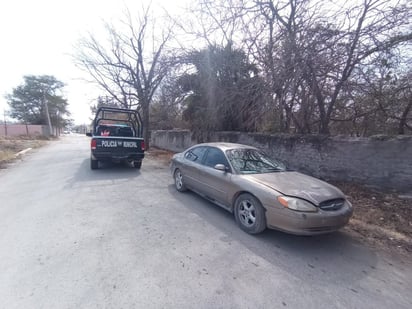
x: 37, y: 38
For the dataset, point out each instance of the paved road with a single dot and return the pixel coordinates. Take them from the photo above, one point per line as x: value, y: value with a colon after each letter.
x: 119, y: 238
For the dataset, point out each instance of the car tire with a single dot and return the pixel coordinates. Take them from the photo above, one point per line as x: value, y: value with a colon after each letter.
x: 250, y: 214
x: 179, y: 184
x: 137, y: 164
x: 94, y: 164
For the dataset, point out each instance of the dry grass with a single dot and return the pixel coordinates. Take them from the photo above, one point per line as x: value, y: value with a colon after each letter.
x: 9, y: 146
x: 381, y: 219
x: 164, y: 156
x: 6, y: 155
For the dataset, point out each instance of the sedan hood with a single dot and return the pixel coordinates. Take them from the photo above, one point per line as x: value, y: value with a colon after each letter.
x: 298, y: 185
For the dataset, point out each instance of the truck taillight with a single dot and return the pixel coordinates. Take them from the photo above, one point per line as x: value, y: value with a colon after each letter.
x: 142, y: 145
x: 93, y: 144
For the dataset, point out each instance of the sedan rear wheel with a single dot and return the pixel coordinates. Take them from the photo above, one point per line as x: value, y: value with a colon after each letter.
x: 250, y: 214
x: 180, y: 186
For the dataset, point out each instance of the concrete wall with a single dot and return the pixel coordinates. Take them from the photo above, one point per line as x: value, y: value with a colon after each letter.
x: 20, y: 129
x: 377, y: 161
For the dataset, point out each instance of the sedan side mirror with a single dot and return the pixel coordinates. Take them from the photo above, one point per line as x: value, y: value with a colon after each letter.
x: 89, y: 134
x: 221, y: 167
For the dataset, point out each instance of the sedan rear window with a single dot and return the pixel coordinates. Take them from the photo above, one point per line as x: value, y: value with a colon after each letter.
x: 195, y: 154
x: 252, y: 161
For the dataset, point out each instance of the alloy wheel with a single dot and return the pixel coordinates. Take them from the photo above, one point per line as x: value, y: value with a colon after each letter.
x: 247, y: 213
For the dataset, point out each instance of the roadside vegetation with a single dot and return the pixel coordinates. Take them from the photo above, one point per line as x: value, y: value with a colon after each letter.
x: 40, y: 100
x: 381, y: 219
x: 10, y: 146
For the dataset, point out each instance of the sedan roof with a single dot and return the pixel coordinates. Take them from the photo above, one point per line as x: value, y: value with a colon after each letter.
x: 226, y: 146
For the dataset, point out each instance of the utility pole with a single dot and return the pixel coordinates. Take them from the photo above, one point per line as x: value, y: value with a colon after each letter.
x: 5, y: 123
x: 46, y: 105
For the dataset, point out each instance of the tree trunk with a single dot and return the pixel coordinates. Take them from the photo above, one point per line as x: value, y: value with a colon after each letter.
x: 146, y: 119
x: 324, y: 126
x: 404, y: 118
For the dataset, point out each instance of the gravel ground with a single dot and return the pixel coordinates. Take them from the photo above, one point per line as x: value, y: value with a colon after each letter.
x: 381, y: 219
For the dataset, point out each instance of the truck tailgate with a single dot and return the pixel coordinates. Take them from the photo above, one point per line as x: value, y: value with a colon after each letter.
x: 117, y: 147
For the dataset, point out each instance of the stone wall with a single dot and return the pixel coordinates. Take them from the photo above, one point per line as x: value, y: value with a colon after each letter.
x: 380, y: 161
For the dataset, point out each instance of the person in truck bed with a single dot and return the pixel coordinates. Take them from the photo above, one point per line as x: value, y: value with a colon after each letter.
x: 103, y: 131
x: 115, y: 130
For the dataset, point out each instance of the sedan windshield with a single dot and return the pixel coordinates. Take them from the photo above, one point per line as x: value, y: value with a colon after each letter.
x: 252, y: 161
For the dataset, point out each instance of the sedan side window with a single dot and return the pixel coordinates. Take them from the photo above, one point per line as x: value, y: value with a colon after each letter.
x: 195, y: 154
x: 215, y: 156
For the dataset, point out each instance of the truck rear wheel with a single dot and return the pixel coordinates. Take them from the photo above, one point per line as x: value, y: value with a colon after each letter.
x: 94, y: 164
x: 137, y: 164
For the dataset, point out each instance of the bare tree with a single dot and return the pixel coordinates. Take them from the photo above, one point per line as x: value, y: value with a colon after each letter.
x: 128, y: 64
x: 308, y: 50
x: 389, y: 100
x: 314, y: 51
x: 373, y: 27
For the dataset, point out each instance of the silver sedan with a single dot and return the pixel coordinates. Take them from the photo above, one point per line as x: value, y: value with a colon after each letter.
x: 260, y: 191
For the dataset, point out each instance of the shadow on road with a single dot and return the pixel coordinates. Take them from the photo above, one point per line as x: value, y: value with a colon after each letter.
x: 106, y: 171
x: 326, y: 257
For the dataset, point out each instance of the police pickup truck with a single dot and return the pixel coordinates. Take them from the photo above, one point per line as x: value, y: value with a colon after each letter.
x: 117, y: 137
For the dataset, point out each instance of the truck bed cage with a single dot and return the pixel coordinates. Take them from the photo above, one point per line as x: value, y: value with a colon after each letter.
x: 114, y: 114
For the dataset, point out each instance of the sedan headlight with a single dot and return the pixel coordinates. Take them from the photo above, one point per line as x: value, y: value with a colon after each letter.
x: 297, y: 204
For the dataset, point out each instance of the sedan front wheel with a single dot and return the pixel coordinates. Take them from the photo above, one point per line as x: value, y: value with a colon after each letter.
x: 250, y: 214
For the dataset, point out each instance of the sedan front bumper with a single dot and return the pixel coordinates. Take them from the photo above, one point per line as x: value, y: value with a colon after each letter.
x: 308, y: 223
